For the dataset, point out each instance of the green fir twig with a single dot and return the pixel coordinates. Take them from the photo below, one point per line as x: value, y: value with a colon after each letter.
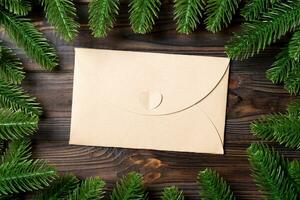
x: 256, y: 35
x: 14, y: 98
x: 187, y: 14
x: 130, y: 187
x: 25, y: 35
x: 102, y: 16
x: 172, y: 193
x: 220, y: 13
x: 89, y: 189
x: 62, y: 14
x: 16, y: 124
x: 11, y: 69
x: 270, y: 173
x: 60, y: 188
x: 143, y: 14
x: 213, y: 187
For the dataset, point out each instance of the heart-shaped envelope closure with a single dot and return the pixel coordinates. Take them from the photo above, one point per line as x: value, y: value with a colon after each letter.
x: 150, y: 99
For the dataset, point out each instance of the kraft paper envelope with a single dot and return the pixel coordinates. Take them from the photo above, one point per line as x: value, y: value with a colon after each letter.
x: 149, y: 100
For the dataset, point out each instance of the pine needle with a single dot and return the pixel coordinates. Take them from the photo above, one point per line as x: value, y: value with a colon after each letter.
x: 130, y: 187
x: 11, y: 69
x: 16, y: 125
x: 287, y: 70
x: 90, y: 189
x: 294, y: 46
x: 256, y: 35
x: 213, y: 187
x: 17, y: 151
x: 61, y: 14
x: 293, y: 108
x: 23, y: 32
x: 18, y: 7
x: 102, y: 16
x: 282, y: 67
x: 280, y: 128
x: 294, y: 173
x: 255, y: 8
x: 143, y: 14
x: 187, y: 14
x: 292, y: 83
x: 270, y: 173
x: 59, y: 189
x: 13, y: 97
x: 220, y: 13
x: 172, y: 193
x: 25, y: 176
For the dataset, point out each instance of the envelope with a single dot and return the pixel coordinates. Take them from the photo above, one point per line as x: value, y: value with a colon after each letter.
x: 149, y: 101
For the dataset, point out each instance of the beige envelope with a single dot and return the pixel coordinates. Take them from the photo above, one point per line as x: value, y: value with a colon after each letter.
x: 149, y: 100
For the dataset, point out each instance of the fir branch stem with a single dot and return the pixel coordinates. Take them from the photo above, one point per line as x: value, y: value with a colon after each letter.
x: 16, y: 125
x: 25, y: 176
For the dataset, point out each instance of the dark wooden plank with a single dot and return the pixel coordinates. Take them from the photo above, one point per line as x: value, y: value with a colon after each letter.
x: 250, y: 95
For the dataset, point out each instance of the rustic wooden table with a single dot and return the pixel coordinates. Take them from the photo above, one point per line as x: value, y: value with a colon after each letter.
x: 250, y: 95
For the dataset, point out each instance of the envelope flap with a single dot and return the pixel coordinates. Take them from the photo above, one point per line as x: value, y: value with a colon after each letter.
x: 149, y: 83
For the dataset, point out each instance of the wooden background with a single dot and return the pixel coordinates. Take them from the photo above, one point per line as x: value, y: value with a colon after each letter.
x: 250, y: 95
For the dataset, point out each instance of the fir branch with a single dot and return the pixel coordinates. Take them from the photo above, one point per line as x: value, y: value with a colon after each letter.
x: 16, y: 125
x: 294, y: 46
x: 284, y: 129
x: 270, y: 173
x: 90, y: 189
x: 213, y: 187
x: 256, y: 8
x: 25, y: 176
x: 59, y: 189
x: 187, y: 14
x: 11, y: 69
x: 102, y: 16
x: 143, y: 14
x: 17, y: 151
x: 282, y: 67
x: 172, y: 193
x: 220, y: 13
x: 287, y: 70
x: 13, y: 97
x: 293, y: 108
x: 256, y: 35
x: 292, y: 83
x: 294, y: 173
x: 18, y: 7
x: 23, y: 32
x: 130, y: 187
x: 61, y: 14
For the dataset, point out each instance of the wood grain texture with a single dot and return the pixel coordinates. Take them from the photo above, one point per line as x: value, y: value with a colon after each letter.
x: 250, y: 95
